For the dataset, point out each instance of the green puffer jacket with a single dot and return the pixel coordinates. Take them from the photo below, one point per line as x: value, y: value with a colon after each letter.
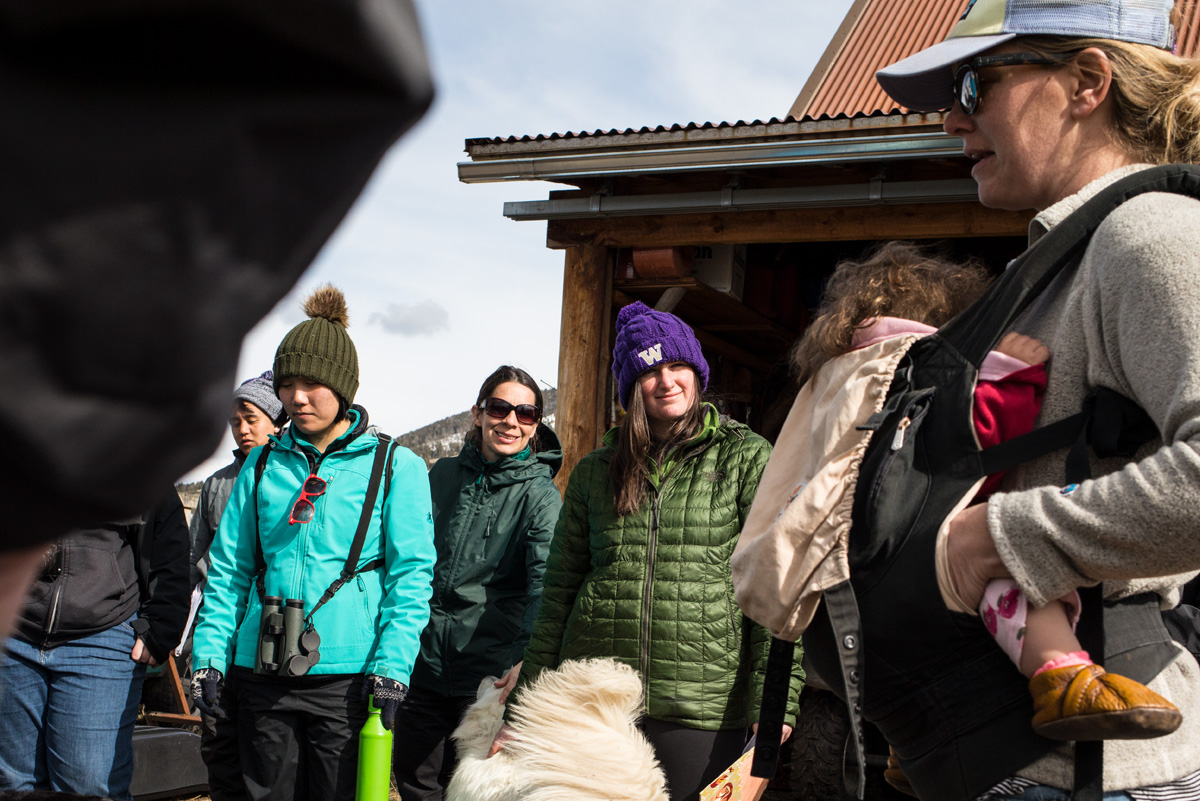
x: 653, y: 588
x: 492, y: 526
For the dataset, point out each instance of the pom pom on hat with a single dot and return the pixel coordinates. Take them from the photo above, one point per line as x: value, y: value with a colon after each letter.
x: 646, y: 337
x: 319, y: 349
x: 328, y: 303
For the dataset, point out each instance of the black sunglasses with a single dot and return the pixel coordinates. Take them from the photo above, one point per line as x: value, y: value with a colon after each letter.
x: 966, y: 79
x: 527, y: 413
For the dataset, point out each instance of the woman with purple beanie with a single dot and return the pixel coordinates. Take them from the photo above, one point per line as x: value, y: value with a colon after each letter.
x: 639, y: 565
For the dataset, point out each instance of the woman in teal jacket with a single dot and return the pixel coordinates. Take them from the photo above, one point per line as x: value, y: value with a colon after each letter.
x: 352, y: 622
x: 639, y: 564
x: 494, y: 510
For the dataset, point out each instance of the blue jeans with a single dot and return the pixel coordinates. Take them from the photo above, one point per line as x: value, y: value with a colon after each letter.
x: 66, y: 718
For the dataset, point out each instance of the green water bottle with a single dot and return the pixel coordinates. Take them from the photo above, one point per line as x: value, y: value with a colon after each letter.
x: 374, y: 758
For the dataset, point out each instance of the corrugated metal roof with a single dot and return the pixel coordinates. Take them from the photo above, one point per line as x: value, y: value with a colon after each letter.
x: 889, y: 30
x: 842, y: 94
x: 1187, y: 39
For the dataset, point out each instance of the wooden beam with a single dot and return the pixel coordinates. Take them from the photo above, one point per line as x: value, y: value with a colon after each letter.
x: 715, y: 344
x: 907, y: 221
x: 582, y: 355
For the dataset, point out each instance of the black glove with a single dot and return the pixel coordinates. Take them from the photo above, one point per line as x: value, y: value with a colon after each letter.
x: 388, y: 694
x: 205, y: 693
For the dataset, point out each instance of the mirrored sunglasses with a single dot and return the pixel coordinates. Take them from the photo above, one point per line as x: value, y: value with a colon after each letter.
x: 966, y: 79
x: 527, y: 413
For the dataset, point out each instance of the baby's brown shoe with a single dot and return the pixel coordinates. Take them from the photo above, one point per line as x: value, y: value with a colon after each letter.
x: 1084, y: 702
x: 894, y: 776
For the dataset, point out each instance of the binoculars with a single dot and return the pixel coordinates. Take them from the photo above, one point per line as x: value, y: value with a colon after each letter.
x: 287, y: 644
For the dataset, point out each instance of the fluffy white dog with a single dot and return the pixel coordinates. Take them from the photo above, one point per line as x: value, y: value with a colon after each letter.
x: 575, y: 738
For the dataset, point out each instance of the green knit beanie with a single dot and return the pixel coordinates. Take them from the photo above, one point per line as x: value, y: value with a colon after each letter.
x: 319, y: 348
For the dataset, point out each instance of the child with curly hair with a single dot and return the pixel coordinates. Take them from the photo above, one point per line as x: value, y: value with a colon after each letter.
x: 902, y: 290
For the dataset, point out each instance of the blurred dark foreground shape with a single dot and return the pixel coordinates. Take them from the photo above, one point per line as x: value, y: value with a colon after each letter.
x: 170, y: 169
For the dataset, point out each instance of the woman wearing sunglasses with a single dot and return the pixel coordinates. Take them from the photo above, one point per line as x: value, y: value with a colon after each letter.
x: 1055, y: 101
x: 328, y: 529
x: 494, y: 510
x: 639, y: 564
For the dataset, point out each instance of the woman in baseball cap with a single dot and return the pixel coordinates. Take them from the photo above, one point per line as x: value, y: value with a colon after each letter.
x: 1055, y: 100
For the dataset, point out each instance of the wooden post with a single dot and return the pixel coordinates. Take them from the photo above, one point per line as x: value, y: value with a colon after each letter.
x: 583, y: 354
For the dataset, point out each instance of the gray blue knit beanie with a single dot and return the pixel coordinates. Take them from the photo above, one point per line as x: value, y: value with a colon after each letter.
x: 646, y: 337
x: 260, y: 391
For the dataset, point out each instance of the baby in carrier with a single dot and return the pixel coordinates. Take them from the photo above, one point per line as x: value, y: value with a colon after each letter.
x: 902, y: 291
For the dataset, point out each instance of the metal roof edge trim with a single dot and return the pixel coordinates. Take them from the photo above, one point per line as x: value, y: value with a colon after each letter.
x: 753, y: 155
x: 483, y: 148
x: 728, y: 199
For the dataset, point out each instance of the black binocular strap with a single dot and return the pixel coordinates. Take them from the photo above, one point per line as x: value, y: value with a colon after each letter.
x: 383, y: 452
x: 260, y: 562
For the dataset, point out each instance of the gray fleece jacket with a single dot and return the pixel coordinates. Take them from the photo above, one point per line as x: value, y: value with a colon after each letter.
x: 1128, y: 319
x: 206, y: 518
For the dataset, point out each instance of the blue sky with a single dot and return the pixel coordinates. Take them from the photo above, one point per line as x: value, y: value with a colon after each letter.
x: 442, y: 288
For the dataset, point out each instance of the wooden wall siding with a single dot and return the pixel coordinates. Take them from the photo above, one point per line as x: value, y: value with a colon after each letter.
x: 930, y: 221
x: 584, y: 346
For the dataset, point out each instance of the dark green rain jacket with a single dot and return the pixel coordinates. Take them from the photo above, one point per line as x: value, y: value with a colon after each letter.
x: 492, y: 528
x: 653, y: 588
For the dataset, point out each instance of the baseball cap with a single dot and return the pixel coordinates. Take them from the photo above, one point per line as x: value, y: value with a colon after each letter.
x: 925, y: 81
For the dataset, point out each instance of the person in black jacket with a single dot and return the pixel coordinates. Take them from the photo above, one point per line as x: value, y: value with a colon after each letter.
x: 109, y: 600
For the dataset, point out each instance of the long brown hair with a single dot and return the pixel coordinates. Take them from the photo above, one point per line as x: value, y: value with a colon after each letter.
x: 637, y: 448
x: 898, y: 280
x: 1155, y: 95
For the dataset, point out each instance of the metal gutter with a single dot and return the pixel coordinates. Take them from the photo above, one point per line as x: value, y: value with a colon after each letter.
x: 876, y: 192
x: 751, y: 155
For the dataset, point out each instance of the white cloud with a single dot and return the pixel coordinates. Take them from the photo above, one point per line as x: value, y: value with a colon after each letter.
x: 410, y: 320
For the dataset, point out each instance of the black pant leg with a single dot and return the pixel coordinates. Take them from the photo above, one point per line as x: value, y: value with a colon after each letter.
x: 423, y: 757
x: 334, y: 713
x: 220, y: 750
x: 691, y: 758
x: 270, y: 739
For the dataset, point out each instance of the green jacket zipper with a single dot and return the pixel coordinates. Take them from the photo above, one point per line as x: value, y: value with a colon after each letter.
x: 652, y: 550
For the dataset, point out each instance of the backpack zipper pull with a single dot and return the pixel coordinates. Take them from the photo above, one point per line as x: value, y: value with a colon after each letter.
x: 901, y: 427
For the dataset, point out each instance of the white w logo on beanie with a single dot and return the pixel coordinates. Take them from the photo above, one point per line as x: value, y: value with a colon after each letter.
x: 652, y: 354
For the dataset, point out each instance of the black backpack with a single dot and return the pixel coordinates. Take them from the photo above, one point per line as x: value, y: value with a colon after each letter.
x: 942, y: 693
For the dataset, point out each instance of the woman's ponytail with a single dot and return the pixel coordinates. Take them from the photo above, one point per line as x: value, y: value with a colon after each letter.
x: 1155, y: 94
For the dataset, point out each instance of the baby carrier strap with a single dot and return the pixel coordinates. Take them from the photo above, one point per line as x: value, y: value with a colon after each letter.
x: 933, y: 681
x: 977, y: 330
